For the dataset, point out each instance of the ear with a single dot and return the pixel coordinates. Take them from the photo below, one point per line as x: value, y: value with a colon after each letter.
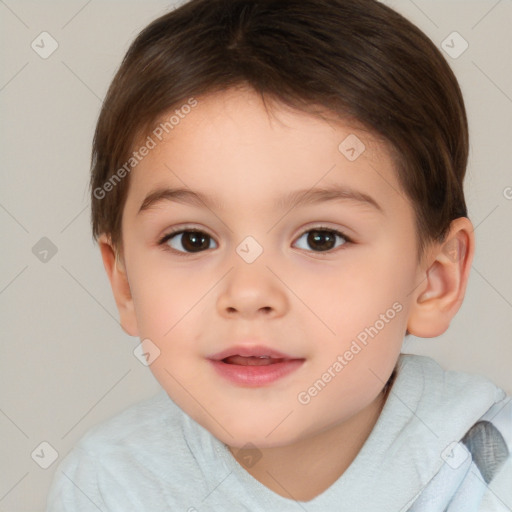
x: 118, y: 278
x: 440, y: 295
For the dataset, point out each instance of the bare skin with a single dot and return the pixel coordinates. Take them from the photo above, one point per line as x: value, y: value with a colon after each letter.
x: 305, y: 469
x: 296, y: 297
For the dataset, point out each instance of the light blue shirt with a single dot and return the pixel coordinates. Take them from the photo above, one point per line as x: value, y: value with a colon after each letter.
x: 153, y: 457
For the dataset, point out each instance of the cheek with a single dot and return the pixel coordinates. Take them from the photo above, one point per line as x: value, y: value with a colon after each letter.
x: 163, y: 299
x: 368, y: 286
x: 366, y: 308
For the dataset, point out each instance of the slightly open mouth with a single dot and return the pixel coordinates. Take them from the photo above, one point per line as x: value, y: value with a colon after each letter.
x: 252, y: 360
x: 255, y: 371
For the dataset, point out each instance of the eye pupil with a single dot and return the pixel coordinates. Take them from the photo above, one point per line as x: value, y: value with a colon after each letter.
x: 316, y: 236
x: 193, y: 241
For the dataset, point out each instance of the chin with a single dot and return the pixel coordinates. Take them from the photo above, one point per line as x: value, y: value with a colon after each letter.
x: 255, y: 434
x: 254, y: 442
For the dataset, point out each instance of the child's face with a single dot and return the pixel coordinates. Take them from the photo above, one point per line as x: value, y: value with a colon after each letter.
x: 310, y: 296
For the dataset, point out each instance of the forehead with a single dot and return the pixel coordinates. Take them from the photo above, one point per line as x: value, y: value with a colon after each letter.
x: 234, y: 142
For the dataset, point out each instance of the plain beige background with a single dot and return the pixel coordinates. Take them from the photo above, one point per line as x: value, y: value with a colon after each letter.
x: 66, y: 365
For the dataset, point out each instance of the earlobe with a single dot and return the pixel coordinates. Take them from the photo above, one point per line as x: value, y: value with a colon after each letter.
x: 118, y: 278
x: 440, y: 295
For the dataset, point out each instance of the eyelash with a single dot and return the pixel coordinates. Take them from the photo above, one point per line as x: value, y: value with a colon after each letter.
x: 163, y: 241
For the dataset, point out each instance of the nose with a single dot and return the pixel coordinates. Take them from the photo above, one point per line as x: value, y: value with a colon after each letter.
x: 251, y: 291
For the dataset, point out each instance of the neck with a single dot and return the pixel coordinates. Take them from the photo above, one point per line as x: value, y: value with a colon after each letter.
x: 304, y: 469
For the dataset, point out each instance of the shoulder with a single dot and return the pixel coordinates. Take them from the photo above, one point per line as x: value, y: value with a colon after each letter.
x: 145, y: 431
x: 468, y: 459
x: 425, y: 377
x: 486, y: 435
x: 489, y: 441
x: 149, y: 417
x: 422, y: 367
x: 100, y: 469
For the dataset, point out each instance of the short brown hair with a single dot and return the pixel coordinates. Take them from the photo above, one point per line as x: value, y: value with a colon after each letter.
x: 358, y: 59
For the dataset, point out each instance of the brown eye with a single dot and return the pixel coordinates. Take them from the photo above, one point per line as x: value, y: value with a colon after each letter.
x: 323, y: 240
x: 188, y: 241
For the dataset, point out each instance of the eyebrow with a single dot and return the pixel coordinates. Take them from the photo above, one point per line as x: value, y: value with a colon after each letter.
x: 292, y: 200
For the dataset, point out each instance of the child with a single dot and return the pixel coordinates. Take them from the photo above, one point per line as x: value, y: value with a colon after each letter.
x: 277, y: 192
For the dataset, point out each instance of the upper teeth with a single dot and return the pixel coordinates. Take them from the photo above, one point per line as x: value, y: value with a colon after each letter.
x: 264, y: 357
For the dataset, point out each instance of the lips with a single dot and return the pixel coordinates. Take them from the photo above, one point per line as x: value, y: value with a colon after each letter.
x: 251, y: 361
x: 257, y: 355
x: 254, y: 366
